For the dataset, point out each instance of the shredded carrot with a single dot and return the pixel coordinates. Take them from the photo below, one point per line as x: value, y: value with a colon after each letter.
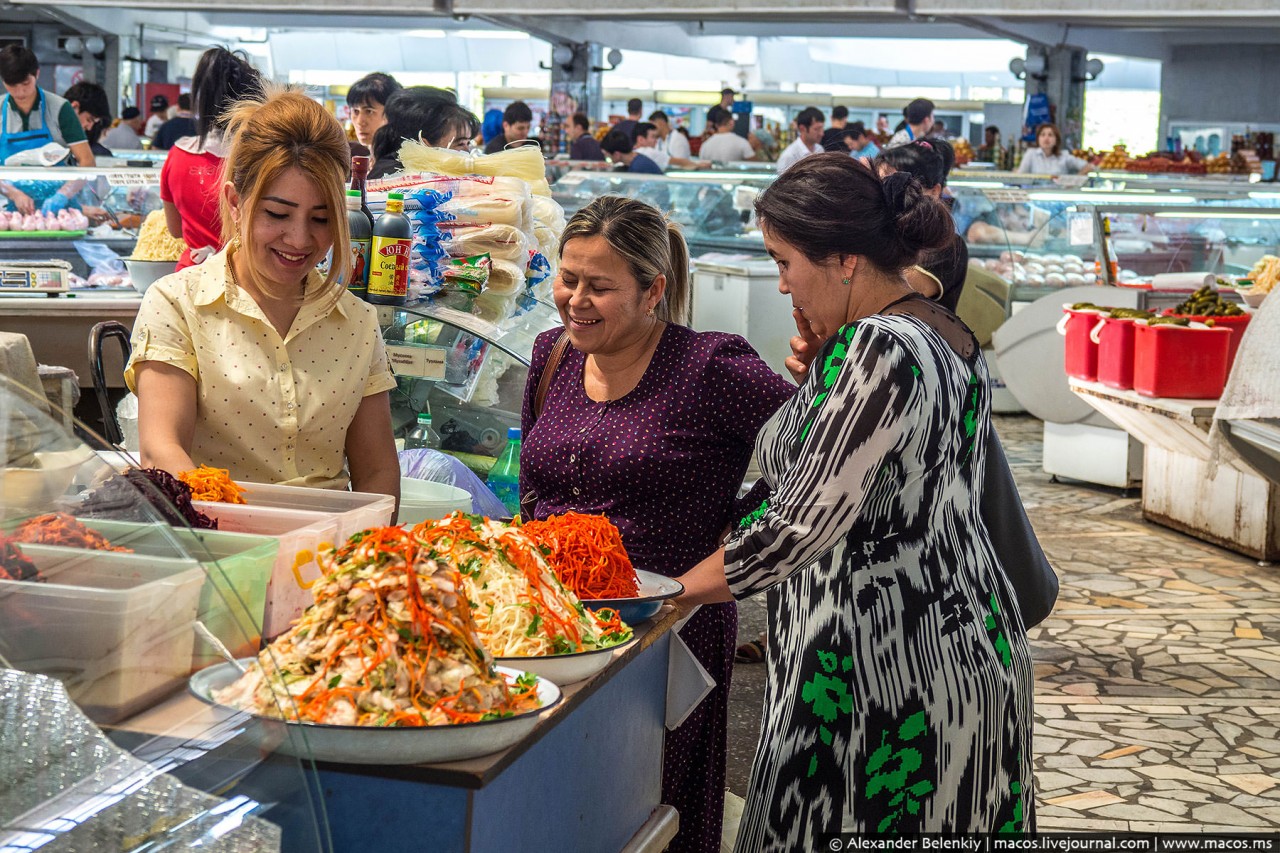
x: 56, y: 528
x: 436, y: 627
x: 587, y: 554
x: 212, y: 484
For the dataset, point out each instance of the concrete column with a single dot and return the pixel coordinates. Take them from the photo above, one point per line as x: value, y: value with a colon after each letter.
x: 1063, y: 82
x: 575, y: 85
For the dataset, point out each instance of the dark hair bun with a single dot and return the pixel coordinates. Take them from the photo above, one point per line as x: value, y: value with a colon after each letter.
x: 920, y: 222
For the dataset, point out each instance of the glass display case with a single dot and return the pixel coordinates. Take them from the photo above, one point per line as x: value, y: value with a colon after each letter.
x: 111, y: 204
x: 714, y: 207
x: 468, y: 372
x: 109, y: 607
x: 1044, y: 238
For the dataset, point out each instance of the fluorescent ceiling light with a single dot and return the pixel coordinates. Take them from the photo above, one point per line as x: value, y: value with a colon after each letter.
x: 508, y: 35
x: 1210, y: 214
x: 423, y: 34
x: 1104, y: 198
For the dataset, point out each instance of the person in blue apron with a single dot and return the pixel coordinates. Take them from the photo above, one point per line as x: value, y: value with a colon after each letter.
x: 31, y: 118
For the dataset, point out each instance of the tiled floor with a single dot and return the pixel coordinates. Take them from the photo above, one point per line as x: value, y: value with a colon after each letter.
x: 1157, y: 676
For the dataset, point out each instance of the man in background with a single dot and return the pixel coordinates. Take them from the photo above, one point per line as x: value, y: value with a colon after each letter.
x: 33, y: 117
x: 367, y: 106
x: 582, y: 145
x: 89, y: 100
x: 918, y: 116
x: 859, y: 142
x: 674, y: 142
x: 809, y: 126
x: 621, y: 150
x: 883, y: 133
x: 833, y: 137
x: 724, y: 146
x: 159, y: 109
x: 670, y: 145
x: 628, y: 124
x: 126, y: 136
x: 177, y: 127
x: 726, y: 104
x: 517, y: 118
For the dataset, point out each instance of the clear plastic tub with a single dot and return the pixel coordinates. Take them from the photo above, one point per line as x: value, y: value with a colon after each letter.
x: 356, y: 511
x: 115, y: 628
x: 302, y: 533
x: 238, y: 569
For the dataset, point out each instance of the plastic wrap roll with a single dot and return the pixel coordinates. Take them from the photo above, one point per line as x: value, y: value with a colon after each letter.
x: 1182, y: 280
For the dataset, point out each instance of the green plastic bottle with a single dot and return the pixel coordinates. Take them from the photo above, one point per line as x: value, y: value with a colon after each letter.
x: 504, y: 477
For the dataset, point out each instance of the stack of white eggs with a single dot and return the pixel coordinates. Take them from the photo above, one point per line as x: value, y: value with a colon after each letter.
x: 1039, y: 270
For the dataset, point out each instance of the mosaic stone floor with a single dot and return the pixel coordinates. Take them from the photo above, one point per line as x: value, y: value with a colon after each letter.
x: 1157, y: 676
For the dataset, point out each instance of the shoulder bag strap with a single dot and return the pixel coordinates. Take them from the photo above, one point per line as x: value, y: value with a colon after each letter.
x: 553, y: 362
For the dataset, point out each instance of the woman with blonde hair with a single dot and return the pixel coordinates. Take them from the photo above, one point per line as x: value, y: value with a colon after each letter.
x: 253, y: 361
x: 650, y: 423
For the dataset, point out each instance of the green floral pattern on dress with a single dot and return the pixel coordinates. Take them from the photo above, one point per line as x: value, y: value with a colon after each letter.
x: 830, y: 372
x: 895, y: 770
x: 829, y: 696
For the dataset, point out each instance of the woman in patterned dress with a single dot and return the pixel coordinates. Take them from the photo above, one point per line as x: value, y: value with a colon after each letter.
x: 651, y: 424
x: 899, y: 693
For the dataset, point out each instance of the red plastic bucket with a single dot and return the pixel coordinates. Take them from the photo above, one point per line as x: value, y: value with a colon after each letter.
x: 1081, y: 360
x: 1235, y: 324
x: 1114, y: 337
x: 1187, y: 362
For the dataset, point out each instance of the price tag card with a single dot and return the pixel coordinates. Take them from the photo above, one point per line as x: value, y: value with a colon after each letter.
x: 125, y: 178
x: 1006, y: 196
x: 1081, y: 225
x: 422, y: 362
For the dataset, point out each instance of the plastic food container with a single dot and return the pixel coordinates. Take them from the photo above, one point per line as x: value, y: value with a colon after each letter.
x: 1186, y: 362
x: 114, y: 628
x: 423, y: 500
x: 1236, y: 324
x: 301, y: 534
x: 1114, y: 337
x: 237, y: 568
x: 1081, y: 352
x: 356, y: 511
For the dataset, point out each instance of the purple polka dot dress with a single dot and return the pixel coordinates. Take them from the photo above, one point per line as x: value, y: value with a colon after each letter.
x: 664, y: 463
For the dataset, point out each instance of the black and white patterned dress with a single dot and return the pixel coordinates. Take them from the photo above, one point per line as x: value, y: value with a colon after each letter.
x: 899, y: 696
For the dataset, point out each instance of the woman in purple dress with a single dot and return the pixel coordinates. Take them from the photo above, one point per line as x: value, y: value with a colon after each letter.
x: 651, y: 424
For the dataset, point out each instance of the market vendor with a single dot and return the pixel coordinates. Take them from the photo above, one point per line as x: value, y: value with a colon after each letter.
x: 253, y: 361
x: 33, y: 117
x: 1048, y: 158
x: 641, y: 419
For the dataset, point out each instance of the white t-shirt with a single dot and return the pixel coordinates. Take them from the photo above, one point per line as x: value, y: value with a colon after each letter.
x: 726, y: 148
x: 121, y: 138
x: 794, y: 153
x: 677, y: 145
x: 153, y: 125
x: 1036, y: 162
x: 657, y: 155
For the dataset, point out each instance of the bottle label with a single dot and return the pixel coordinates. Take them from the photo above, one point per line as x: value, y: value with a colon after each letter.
x: 360, y: 251
x: 389, y: 266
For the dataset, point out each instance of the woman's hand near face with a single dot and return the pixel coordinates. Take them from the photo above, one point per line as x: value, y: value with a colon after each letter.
x: 166, y: 416
x: 804, y: 348
x: 371, y: 449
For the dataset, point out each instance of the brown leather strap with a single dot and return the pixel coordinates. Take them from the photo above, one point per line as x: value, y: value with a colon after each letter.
x: 553, y: 362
